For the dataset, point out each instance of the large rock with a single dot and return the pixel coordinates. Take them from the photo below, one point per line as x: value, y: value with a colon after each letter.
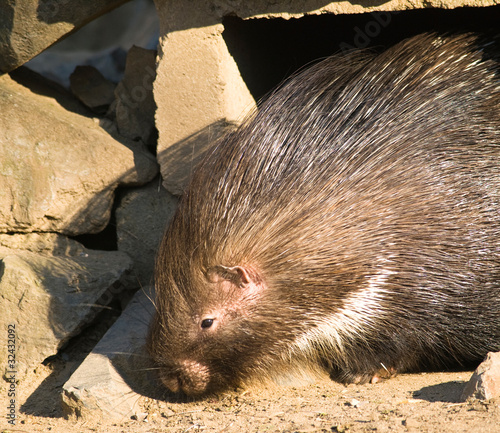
x: 50, y: 292
x: 28, y: 27
x: 141, y: 218
x: 197, y: 95
x: 59, y: 169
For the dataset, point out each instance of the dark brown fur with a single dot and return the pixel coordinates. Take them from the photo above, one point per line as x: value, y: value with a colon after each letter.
x: 351, y: 225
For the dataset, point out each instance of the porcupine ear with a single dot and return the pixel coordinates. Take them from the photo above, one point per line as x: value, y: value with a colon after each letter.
x: 241, y: 275
x: 237, y: 277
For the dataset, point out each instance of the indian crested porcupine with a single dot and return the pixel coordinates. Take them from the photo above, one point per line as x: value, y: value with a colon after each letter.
x: 351, y: 225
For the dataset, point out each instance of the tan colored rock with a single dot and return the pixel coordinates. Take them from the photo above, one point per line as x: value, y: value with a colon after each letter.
x: 41, y: 243
x: 198, y: 91
x: 28, y: 27
x: 59, y: 169
x: 48, y: 294
x: 141, y: 219
x: 485, y: 381
x: 209, y: 12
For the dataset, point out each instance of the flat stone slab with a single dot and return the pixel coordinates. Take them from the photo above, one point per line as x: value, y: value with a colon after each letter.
x: 108, y: 384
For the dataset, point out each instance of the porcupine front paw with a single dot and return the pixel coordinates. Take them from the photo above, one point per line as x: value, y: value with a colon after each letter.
x: 346, y: 376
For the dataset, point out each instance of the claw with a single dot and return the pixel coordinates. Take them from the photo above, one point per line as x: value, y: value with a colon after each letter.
x: 383, y: 373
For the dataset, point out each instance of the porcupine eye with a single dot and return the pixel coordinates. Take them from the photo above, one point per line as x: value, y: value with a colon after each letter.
x: 207, y: 323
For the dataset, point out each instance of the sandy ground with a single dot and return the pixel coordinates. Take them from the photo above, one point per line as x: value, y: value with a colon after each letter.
x: 426, y: 402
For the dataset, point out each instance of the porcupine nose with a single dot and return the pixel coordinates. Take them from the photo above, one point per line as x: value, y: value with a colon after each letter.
x: 191, y: 378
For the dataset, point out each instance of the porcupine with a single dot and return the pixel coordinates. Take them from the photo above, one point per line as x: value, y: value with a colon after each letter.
x: 351, y: 225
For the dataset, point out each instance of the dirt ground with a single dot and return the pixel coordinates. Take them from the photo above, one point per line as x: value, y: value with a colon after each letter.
x: 426, y: 402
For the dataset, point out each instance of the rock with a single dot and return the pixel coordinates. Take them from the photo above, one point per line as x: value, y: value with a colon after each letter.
x: 135, y: 105
x: 46, y: 243
x: 52, y: 291
x: 107, y: 383
x: 90, y: 87
x: 198, y: 94
x: 485, y: 381
x: 59, y: 169
x: 141, y: 218
x: 28, y: 27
